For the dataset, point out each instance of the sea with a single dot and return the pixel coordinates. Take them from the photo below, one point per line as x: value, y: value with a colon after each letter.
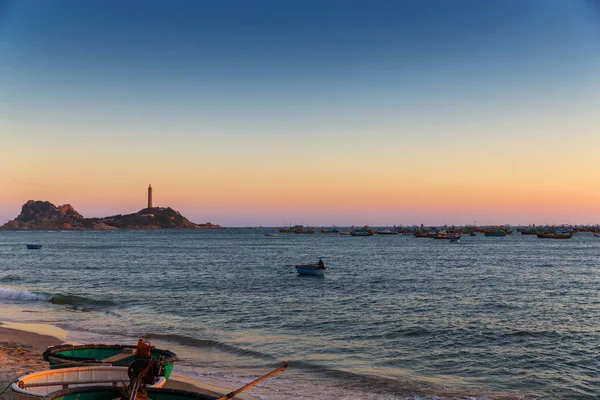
x: 395, y: 317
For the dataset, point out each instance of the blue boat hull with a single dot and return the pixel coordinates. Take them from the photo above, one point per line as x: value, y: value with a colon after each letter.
x: 34, y: 246
x: 308, y: 271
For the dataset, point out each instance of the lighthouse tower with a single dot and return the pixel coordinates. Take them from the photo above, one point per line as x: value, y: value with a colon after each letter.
x: 149, y: 196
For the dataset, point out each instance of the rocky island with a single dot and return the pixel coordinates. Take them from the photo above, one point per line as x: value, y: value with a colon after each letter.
x: 43, y: 215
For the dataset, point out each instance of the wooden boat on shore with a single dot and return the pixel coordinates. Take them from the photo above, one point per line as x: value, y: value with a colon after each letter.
x: 555, y: 235
x: 40, y: 384
x: 67, y: 355
x: 36, y: 246
x: 112, y: 392
x: 138, y: 389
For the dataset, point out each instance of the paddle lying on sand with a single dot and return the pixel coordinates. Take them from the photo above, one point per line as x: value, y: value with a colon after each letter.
x: 270, y: 374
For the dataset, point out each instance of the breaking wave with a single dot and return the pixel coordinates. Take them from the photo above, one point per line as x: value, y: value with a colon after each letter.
x: 77, y: 302
x: 23, y: 295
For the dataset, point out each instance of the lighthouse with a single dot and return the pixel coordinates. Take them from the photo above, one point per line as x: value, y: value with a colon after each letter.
x: 149, y: 196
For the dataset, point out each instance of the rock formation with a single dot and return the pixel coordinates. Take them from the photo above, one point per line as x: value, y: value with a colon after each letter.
x: 46, y: 216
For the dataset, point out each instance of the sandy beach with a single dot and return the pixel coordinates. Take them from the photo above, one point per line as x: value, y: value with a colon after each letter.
x: 21, y: 353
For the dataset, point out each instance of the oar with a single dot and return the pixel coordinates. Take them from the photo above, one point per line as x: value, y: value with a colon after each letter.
x: 270, y: 374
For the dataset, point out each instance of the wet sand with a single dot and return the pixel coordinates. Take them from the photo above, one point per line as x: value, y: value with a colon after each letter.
x: 21, y: 354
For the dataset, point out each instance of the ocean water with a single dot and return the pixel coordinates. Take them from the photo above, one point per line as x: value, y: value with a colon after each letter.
x: 395, y: 317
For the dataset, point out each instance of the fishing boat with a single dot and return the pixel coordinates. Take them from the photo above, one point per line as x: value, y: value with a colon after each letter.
x: 423, y: 234
x: 286, y: 229
x: 330, y: 230
x: 455, y: 240
x: 39, y: 384
x: 112, y: 392
x: 312, y: 269
x: 304, y: 230
x: 447, y: 235
x: 346, y: 233
x: 596, y: 234
x: 555, y: 235
x: 34, y: 246
x: 386, y: 232
x: 138, y: 389
x: 364, y: 231
x: 68, y: 355
x: 271, y: 234
x: 498, y: 233
x: 528, y: 231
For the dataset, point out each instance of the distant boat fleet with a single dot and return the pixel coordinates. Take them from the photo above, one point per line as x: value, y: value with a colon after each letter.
x: 452, y: 234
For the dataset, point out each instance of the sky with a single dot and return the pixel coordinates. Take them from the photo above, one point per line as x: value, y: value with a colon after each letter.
x: 248, y: 113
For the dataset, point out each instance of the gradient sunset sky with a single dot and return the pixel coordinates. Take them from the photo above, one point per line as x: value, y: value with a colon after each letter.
x: 315, y: 112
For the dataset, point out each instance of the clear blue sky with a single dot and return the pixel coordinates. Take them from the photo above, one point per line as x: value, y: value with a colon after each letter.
x: 169, y: 92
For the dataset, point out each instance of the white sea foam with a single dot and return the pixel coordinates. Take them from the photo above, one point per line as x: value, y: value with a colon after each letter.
x: 12, y: 294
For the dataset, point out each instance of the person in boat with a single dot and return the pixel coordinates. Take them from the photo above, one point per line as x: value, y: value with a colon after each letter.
x: 321, y: 264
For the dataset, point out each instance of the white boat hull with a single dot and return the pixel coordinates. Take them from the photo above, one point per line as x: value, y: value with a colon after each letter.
x: 64, y: 378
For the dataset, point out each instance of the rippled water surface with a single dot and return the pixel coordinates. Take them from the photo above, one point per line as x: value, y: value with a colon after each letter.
x: 395, y: 317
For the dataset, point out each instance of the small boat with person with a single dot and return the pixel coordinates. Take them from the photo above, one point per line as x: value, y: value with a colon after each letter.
x: 317, y: 269
x: 35, y: 246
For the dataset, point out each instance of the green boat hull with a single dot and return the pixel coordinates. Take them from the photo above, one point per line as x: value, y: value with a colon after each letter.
x: 111, y: 392
x: 93, y: 354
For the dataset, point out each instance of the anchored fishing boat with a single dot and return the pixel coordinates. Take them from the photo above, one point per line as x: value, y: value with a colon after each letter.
x: 40, y: 384
x: 304, y: 230
x: 34, y: 246
x: 386, y: 232
x: 498, y: 233
x: 555, y: 235
x: 364, y: 231
x: 447, y: 235
x: 67, y: 355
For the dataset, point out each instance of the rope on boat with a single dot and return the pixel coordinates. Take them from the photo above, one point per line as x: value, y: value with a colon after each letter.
x: 9, y: 385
